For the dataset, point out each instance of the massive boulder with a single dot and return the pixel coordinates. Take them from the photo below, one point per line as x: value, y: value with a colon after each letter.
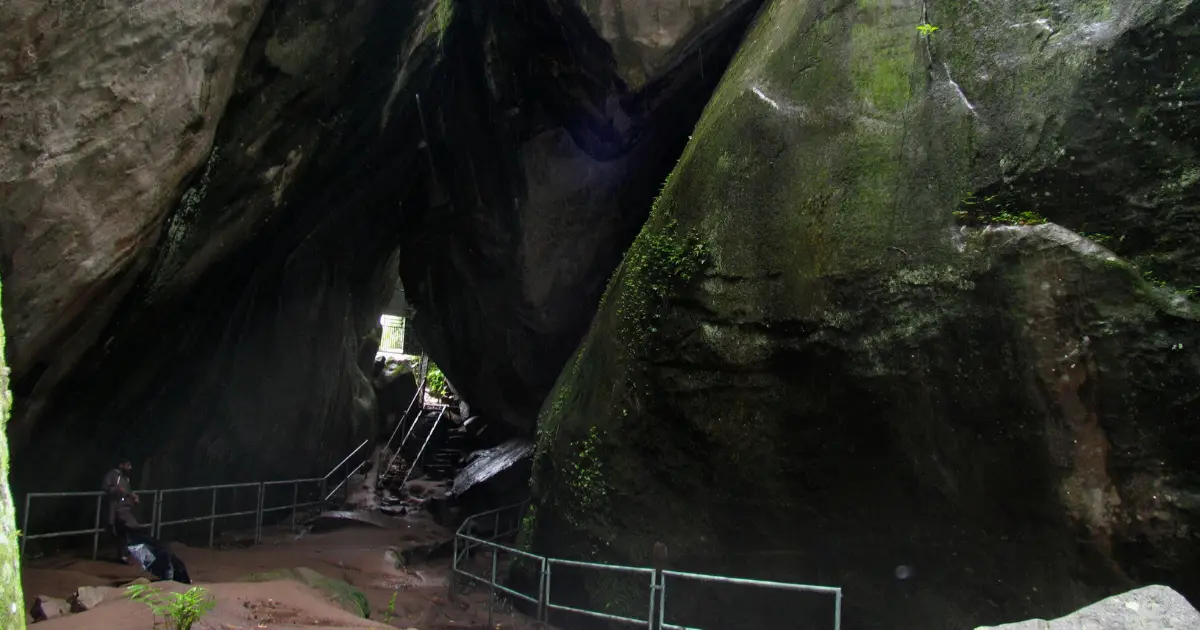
x: 861, y: 340
x: 490, y: 154
x: 229, y: 292
x: 1147, y: 608
x: 648, y: 36
x: 106, y: 111
x: 543, y: 164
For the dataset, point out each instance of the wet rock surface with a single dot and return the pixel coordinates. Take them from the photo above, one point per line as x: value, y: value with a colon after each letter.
x: 49, y: 608
x: 89, y: 597
x: 846, y: 341
x: 1151, y: 608
x: 106, y: 113
x: 229, y: 310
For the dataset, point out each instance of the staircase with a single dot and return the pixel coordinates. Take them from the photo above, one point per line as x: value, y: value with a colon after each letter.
x: 447, y: 460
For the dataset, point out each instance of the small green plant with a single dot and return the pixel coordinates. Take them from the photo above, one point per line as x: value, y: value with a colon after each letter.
x: 1096, y: 237
x: 926, y: 29
x: 1154, y: 280
x: 1025, y: 217
x: 391, y: 609
x: 181, y: 611
x: 436, y: 381
x: 588, y: 488
x: 994, y: 209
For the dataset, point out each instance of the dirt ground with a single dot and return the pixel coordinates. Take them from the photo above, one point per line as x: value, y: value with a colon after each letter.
x: 356, y: 554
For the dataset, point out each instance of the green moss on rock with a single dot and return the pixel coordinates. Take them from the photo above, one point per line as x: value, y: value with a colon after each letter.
x: 805, y: 335
x: 338, y: 591
x: 12, y: 603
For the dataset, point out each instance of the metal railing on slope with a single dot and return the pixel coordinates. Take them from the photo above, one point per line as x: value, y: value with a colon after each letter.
x: 656, y: 595
x: 156, y: 510
x: 419, y: 395
x: 346, y: 479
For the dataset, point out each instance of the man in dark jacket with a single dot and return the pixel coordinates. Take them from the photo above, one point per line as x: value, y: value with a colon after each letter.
x: 121, y: 500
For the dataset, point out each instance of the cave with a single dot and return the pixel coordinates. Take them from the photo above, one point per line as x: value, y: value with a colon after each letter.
x: 901, y: 298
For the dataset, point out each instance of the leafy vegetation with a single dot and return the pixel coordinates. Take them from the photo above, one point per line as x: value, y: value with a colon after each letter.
x: 180, y: 611
x: 391, y: 609
x: 436, y: 381
x: 658, y: 265
x: 926, y: 29
x: 1098, y: 238
x: 995, y: 210
x: 443, y: 14
x: 588, y: 489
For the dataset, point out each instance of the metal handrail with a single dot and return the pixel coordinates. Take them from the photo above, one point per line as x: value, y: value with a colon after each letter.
x: 656, y: 617
x: 157, y: 522
x: 407, y: 410
x: 345, y: 481
x: 339, y: 464
x: 421, y: 452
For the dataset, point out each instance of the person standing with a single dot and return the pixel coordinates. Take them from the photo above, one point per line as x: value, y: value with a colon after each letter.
x: 121, y: 501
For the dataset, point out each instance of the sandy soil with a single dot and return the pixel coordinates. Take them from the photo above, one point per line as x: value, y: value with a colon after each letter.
x: 355, y: 554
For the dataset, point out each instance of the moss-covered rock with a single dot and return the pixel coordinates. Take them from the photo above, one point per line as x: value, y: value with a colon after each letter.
x: 12, y: 603
x: 888, y: 350
x: 341, y: 593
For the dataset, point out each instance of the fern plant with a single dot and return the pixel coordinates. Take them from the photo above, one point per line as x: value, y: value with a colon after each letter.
x: 180, y: 611
x: 436, y: 381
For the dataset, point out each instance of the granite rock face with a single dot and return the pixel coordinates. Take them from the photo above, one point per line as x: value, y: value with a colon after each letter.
x: 217, y: 324
x: 106, y: 113
x: 647, y: 36
x: 225, y: 323
x: 1148, y: 608
x: 911, y: 298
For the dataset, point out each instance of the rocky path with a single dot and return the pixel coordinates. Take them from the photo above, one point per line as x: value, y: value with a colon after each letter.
x: 368, y: 557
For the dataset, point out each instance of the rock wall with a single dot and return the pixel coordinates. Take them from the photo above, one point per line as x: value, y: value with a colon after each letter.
x: 106, y: 112
x: 489, y: 152
x: 862, y: 341
x: 1151, y: 607
x: 236, y: 353
x: 541, y: 168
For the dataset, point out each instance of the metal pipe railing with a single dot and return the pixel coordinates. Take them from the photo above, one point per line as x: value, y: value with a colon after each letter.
x: 421, y: 452
x: 345, y: 481
x: 656, y: 618
x: 339, y: 464
x: 407, y: 410
x: 156, y: 520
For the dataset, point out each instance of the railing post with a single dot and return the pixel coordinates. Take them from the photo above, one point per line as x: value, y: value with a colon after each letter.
x: 837, y: 610
x: 492, y: 594
x: 659, y: 555
x: 295, y: 502
x: 212, y: 520
x: 158, y: 510
x: 154, y: 513
x: 258, y: 512
x: 541, y: 605
x: 96, y: 526
x: 25, y: 525
x: 662, y: 602
x: 549, y: 567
